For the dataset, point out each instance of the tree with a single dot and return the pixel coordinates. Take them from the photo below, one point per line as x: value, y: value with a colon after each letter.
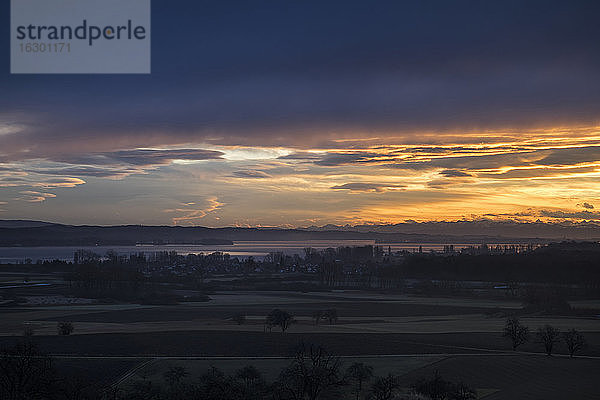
x: 25, y: 373
x: 437, y: 388
x: 461, y: 391
x: 517, y: 333
x: 548, y: 335
x: 384, y: 388
x: 312, y: 373
x: 359, y: 373
x: 250, y: 383
x: 248, y: 375
x: 65, y: 328
x: 574, y: 340
x: 239, y: 318
x: 174, y: 376
x: 317, y: 316
x: 28, y: 331
x: 331, y: 315
x: 280, y: 318
x: 214, y: 385
x: 144, y: 390
x: 76, y: 387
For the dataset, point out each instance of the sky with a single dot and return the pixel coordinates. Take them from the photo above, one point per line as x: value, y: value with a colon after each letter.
x: 311, y: 113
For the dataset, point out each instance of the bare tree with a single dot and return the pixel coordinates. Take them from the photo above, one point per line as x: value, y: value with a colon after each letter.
x: 74, y: 387
x: 548, y: 335
x: 239, y: 318
x: 434, y: 388
x: 248, y: 375
x: 517, y: 333
x: 250, y: 383
x: 437, y: 388
x: 280, y: 318
x: 65, y: 328
x: 312, y: 373
x: 461, y: 391
x: 359, y: 373
x: 384, y: 388
x: 214, y: 385
x: 174, y: 376
x: 574, y: 340
x: 331, y: 315
x: 28, y: 331
x: 317, y: 316
x: 25, y: 373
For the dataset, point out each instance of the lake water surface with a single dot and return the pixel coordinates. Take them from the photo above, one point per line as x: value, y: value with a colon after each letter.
x: 242, y: 249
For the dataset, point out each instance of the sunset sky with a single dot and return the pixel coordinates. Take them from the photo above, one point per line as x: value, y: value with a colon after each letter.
x: 306, y: 113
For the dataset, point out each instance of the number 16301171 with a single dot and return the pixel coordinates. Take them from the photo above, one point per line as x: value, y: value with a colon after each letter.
x: 45, y: 47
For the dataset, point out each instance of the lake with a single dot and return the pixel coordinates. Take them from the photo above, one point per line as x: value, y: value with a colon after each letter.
x: 242, y: 249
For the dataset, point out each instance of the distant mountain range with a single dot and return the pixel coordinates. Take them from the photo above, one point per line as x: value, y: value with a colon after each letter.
x: 19, y: 223
x: 36, y: 233
x: 507, y: 229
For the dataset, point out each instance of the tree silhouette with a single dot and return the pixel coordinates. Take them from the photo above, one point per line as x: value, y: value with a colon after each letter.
x: 144, y: 390
x: 250, y: 383
x: 437, y: 388
x: 312, y: 373
x: 359, y: 373
x: 317, y: 316
x: 548, y: 335
x: 174, y: 376
x: 517, y: 333
x: 214, y: 385
x: 460, y: 391
x: 248, y: 375
x: 65, y: 328
x: 280, y: 318
x: 25, y: 373
x: 239, y: 318
x: 28, y: 331
x: 384, y: 388
x: 574, y: 340
x: 331, y: 315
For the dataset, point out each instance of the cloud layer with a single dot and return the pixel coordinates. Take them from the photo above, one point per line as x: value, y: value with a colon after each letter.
x: 296, y: 114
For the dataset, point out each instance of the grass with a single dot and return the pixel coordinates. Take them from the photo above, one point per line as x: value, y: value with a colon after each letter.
x: 345, y: 309
x: 256, y: 344
x: 271, y: 368
x: 97, y: 372
x: 518, y: 377
x: 496, y: 377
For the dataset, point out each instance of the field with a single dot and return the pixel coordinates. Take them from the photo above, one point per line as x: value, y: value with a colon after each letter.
x: 235, y: 343
x: 494, y: 377
x: 405, y: 335
x: 519, y: 377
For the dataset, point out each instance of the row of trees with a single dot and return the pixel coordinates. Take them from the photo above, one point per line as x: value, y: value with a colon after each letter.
x: 280, y: 318
x: 312, y: 374
x: 26, y: 373
x: 513, y: 330
x: 547, y: 335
